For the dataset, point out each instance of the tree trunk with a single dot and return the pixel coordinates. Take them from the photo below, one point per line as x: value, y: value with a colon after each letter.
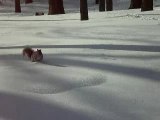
x: 147, y: 5
x: 101, y: 5
x: 56, y: 7
x: 51, y: 9
x: 135, y: 4
x: 17, y: 6
x: 109, y: 5
x: 97, y: 1
x: 28, y: 1
x: 84, y: 9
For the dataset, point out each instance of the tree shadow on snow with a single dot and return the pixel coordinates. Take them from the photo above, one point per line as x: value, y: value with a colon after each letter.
x: 108, y: 67
x: 114, y: 104
x: 17, y: 107
x: 65, y: 61
x: 16, y: 57
x: 145, y: 48
x: 40, y: 81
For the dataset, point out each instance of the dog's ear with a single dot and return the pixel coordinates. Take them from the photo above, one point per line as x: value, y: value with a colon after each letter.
x: 39, y: 50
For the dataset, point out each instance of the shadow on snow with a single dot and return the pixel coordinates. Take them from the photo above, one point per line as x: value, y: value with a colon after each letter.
x: 97, y: 46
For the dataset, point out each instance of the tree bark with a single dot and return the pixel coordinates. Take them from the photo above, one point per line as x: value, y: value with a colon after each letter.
x: 109, y: 5
x: 97, y: 1
x: 84, y: 9
x: 135, y: 4
x: 147, y: 5
x: 28, y: 1
x: 56, y: 7
x: 101, y: 5
x: 17, y: 6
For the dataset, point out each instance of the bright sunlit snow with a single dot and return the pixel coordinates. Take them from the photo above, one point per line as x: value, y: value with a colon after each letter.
x: 107, y: 68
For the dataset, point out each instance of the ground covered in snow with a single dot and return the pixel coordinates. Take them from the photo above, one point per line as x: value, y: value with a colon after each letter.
x: 107, y: 68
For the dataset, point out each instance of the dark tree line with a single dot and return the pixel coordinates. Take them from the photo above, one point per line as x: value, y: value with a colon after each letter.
x: 97, y: 1
x: 109, y: 5
x: 17, y: 6
x: 145, y: 5
x: 56, y: 6
x: 135, y: 4
x: 84, y: 9
x: 28, y: 1
x: 103, y: 3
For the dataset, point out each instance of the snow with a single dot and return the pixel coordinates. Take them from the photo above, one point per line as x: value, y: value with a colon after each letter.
x: 107, y: 68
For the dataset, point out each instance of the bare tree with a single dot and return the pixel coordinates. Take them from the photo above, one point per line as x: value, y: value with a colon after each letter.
x: 147, y: 5
x: 97, y: 1
x: 17, y: 6
x: 135, y: 4
x: 28, y: 1
x: 56, y: 7
x: 109, y: 5
x: 84, y: 9
x: 101, y: 5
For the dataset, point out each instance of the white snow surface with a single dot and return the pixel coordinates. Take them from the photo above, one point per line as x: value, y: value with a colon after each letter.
x: 106, y: 68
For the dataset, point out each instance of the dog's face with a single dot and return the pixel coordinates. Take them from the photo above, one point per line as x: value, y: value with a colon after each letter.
x: 39, y: 51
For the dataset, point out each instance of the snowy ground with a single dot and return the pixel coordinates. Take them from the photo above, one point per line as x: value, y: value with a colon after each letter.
x: 107, y: 68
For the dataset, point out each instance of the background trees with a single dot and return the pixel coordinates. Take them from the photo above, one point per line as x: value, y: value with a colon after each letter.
x: 55, y: 7
x: 135, y: 4
x: 147, y: 5
x: 108, y: 3
x: 101, y: 5
x: 97, y: 1
x: 17, y: 6
x: 28, y: 1
x: 84, y: 9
